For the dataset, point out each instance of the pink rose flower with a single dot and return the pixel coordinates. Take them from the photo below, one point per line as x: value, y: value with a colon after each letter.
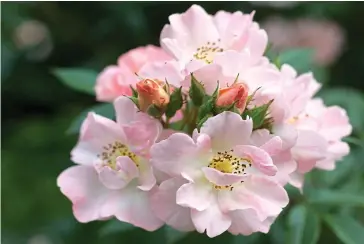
x: 221, y: 181
x: 113, y: 176
x: 115, y: 80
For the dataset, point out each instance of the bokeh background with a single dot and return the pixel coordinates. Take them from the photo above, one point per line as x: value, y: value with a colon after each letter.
x: 37, y: 108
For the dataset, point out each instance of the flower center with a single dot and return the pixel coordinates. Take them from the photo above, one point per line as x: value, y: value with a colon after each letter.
x: 227, y: 162
x: 207, y: 52
x: 114, y: 150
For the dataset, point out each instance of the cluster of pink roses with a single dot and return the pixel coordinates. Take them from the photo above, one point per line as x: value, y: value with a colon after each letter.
x: 246, y: 128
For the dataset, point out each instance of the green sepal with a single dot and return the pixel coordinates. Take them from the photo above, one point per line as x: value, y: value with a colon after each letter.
x: 197, y: 91
x: 175, y: 102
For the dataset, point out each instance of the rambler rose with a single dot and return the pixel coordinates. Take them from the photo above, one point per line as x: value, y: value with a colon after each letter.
x: 237, y: 93
x: 151, y: 92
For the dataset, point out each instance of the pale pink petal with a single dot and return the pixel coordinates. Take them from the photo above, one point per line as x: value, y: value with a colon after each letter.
x: 233, y: 62
x: 126, y: 111
x: 221, y: 179
x: 96, y: 132
x: 265, y: 196
x: 142, y: 134
x: 236, y: 33
x: 287, y: 133
x: 203, y: 142
x: 227, y: 130
x: 257, y: 42
x: 133, y: 206
x: 164, y: 71
x: 198, y: 195
x: 212, y: 220
x: 296, y: 180
x: 310, y: 148
x: 246, y: 222
x: 197, y: 24
x: 81, y: 185
x: 175, y: 154
x: 113, y: 82
x: 136, y: 58
x: 258, y: 157
x: 335, y: 123
x: 268, y: 142
x: 165, y: 207
x: 146, y: 176
x: 118, y: 178
x: 285, y: 165
x: 336, y: 151
x: 165, y: 134
x: 273, y: 146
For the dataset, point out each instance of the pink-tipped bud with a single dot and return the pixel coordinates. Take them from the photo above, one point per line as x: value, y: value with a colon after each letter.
x: 237, y: 93
x: 151, y: 92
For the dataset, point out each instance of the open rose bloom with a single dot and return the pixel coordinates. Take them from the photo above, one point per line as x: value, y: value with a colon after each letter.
x: 207, y: 133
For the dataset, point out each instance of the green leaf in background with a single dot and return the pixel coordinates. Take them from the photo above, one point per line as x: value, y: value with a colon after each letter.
x: 304, y: 225
x: 347, y: 229
x: 104, y: 109
x: 301, y: 59
x: 334, y: 197
x: 114, y: 226
x: 350, y: 99
x: 173, y: 235
x: 82, y: 80
x: 252, y: 239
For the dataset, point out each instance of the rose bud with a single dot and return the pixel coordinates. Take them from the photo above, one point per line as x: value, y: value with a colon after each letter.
x: 237, y: 93
x: 151, y: 92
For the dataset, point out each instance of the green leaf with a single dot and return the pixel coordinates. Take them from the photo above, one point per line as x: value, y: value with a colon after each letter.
x: 304, y: 225
x: 173, y: 235
x: 113, y: 227
x: 175, y: 102
x: 301, y: 59
x: 351, y: 100
x: 347, y: 229
x: 331, y: 197
x: 197, y: 91
x: 82, y: 80
x: 104, y: 109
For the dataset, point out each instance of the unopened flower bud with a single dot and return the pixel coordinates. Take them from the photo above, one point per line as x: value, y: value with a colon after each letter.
x: 151, y: 92
x: 237, y: 93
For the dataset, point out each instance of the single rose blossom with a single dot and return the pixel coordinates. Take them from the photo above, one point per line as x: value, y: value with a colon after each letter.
x: 332, y: 123
x: 305, y: 146
x: 113, y: 176
x: 197, y: 36
x: 237, y: 93
x: 221, y: 181
x: 151, y: 92
x: 115, y: 80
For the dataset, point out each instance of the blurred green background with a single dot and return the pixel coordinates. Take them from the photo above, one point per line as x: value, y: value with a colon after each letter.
x: 37, y: 109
